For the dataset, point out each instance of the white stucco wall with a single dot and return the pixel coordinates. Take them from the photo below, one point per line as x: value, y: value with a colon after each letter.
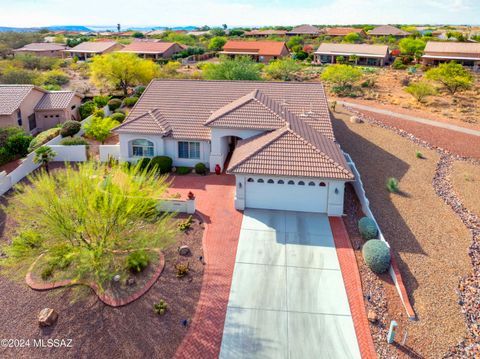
x: 163, y: 147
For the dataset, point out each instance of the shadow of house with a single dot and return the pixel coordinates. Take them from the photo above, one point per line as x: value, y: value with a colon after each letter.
x: 375, y: 166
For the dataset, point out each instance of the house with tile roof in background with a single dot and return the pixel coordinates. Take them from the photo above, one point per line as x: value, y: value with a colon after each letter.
x: 388, y: 30
x: 264, y: 33
x: 35, y: 109
x: 344, y: 31
x: 88, y: 49
x: 42, y: 49
x: 275, y: 137
x: 363, y: 54
x: 305, y: 30
x: 153, y: 49
x: 261, y: 51
x: 465, y: 53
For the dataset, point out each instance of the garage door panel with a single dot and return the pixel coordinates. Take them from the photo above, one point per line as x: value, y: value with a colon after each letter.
x: 294, y: 197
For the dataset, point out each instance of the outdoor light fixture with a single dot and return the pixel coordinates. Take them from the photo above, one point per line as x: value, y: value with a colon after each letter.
x: 240, y: 185
x: 336, y: 190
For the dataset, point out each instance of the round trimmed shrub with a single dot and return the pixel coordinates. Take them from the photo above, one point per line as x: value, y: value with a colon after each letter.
x: 143, y: 163
x: 99, y: 113
x: 101, y: 101
x: 118, y: 116
x: 163, y: 164
x: 376, y: 255
x: 367, y: 228
x: 200, y: 168
x: 70, y: 128
x: 86, y: 109
x: 130, y: 101
x: 114, y: 103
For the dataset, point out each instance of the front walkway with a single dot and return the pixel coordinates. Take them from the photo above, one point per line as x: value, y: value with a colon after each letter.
x: 288, y: 298
x: 214, y: 203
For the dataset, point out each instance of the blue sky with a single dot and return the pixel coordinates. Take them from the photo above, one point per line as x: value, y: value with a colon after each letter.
x: 235, y: 12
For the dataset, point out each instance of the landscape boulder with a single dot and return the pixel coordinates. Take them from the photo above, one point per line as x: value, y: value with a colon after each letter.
x: 184, y: 250
x: 372, y: 316
x: 47, y: 317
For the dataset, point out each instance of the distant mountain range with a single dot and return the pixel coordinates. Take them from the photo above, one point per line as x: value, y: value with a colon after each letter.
x: 92, y: 28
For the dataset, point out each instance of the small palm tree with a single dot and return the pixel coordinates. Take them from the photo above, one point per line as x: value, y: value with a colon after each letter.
x: 43, y: 156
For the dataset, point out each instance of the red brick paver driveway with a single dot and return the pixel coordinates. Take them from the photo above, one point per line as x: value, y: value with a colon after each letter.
x: 215, y: 203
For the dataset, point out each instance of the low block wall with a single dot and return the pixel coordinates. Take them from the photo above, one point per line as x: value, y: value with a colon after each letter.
x: 77, y: 153
x: 393, y: 270
x: 177, y: 205
x: 109, y: 151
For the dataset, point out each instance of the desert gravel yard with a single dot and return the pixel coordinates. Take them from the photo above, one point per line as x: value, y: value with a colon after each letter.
x: 466, y: 182
x: 423, y: 231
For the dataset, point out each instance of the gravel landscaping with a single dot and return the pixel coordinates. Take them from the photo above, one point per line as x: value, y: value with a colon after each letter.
x: 466, y: 182
x: 423, y: 243
x: 98, y: 330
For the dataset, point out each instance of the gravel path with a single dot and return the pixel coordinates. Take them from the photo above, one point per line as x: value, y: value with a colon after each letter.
x: 469, y: 286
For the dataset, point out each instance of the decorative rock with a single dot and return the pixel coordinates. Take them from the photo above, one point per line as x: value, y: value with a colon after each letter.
x: 130, y: 281
x: 355, y: 119
x: 184, y: 250
x: 372, y: 316
x: 116, y: 278
x: 47, y: 317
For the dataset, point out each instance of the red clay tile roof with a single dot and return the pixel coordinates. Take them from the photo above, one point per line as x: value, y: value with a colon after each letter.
x: 386, y: 30
x: 148, y: 47
x: 353, y: 49
x: 342, y: 31
x: 11, y: 96
x: 453, y: 49
x: 55, y: 100
x: 151, y: 123
x: 42, y: 46
x: 262, y: 48
x: 93, y: 47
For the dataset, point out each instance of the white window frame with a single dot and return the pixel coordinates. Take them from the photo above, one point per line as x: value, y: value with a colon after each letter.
x: 189, y: 150
x: 143, y: 147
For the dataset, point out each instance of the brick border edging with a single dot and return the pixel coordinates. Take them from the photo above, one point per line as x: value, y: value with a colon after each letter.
x: 401, y: 288
x: 108, y: 300
x: 196, y: 317
x: 353, y: 287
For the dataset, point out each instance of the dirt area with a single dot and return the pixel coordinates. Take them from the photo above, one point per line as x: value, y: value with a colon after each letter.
x: 94, y: 145
x: 422, y: 230
x: 463, y: 109
x: 466, y: 182
x: 97, y: 330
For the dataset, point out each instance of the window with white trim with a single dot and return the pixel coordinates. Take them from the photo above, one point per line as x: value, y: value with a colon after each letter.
x: 189, y: 149
x: 142, y: 148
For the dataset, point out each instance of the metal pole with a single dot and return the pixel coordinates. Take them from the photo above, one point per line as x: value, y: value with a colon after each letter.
x: 392, y: 332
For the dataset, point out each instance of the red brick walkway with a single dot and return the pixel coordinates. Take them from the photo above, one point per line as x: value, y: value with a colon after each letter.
x: 214, y: 203
x: 353, y: 286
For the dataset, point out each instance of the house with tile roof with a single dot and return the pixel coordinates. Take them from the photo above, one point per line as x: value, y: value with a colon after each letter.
x: 261, y: 51
x: 363, y: 54
x: 265, y: 33
x: 305, y: 30
x: 153, y: 49
x: 343, y: 31
x: 275, y: 137
x: 465, y: 53
x: 42, y: 49
x: 35, y: 109
x: 388, y: 30
x: 88, y: 49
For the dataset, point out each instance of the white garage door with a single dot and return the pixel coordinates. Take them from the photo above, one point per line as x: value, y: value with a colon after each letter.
x: 286, y: 194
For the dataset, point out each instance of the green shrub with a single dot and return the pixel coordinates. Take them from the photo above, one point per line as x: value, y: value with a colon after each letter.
x: 42, y: 138
x: 419, y: 155
x: 200, y: 168
x: 137, y: 261
x: 376, y: 255
x: 392, y: 185
x: 398, y: 64
x: 185, y: 225
x: 161, y: 307
x: 162, y: 163
x: 420, y: 90
x: 101, y: 101
x: 118, y: 116
x: 143, y: 163
x: 47, y: 272
x: 130, y: 101
x: 182, y: 170
x: 56, y: 77
x: 74, y: 141
x: 114, y: 103
x: 139, y: 90
x: 182, y: 269
x: 99, y: 113
x: 70, y: 128
x: 18, y: 144
x: 86, y: 109
x: 367, y: 228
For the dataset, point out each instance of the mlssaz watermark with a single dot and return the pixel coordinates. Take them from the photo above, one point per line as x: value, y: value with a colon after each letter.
x: 36, y: 343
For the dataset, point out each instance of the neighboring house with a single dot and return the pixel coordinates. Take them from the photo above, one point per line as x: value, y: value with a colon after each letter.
x: 305, y: 30
x: 198, y: 33
x: 36, y: 109
x: 388, y: 30
x: 343, y: 31
x: 261, y: 51
x: 265, y: 33
x: 363, y: 54
x: 153, y: 49
x: 42, y: 49
x: 465, y: 53
x: 88, y: 49
x: 155, y: 33
x: 275, y: 137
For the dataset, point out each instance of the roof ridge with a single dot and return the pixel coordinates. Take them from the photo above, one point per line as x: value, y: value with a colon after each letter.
x: 147, y: 113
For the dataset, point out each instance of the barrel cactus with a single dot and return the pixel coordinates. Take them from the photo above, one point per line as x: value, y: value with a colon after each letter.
x: 367, y: 228
x: 376, y: 254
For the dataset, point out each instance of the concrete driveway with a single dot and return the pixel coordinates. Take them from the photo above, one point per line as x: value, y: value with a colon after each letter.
x: 287, y: 298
